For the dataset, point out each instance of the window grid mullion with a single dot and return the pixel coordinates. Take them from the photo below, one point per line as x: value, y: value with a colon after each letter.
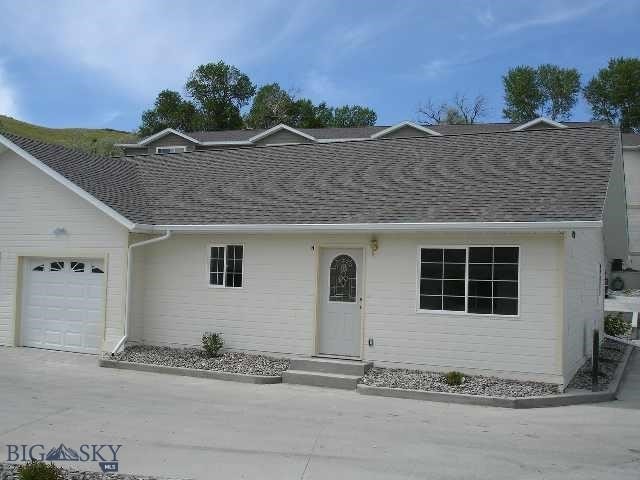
x: 466, y: 280
x: 493, y: 275
x: 224, y: 275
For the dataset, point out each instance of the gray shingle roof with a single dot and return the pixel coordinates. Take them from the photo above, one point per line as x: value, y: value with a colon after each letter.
x: 528, y: 176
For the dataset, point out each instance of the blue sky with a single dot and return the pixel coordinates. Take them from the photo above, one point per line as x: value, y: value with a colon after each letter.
x: 101, y: 63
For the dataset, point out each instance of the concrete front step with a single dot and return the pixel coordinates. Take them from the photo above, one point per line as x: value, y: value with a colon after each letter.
x: 320, y: 379
x: 330, y: 365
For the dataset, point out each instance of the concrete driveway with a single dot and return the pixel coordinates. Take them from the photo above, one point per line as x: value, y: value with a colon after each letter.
x: 196, y: 428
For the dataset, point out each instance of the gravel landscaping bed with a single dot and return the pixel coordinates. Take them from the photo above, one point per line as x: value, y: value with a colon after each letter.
x: 611, y: 355
x: 472, y: 385
x: 230, y: 362
x: 9, y: 471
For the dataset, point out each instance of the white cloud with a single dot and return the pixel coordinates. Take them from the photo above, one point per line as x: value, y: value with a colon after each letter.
x: 550, y: 17
x: 8, y: 95
x: 322, y: 88
x: 436, y: 68
x: 144, y: 46
x: 486, y: 18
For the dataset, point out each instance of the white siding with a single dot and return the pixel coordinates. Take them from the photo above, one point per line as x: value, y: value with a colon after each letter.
x: 524, y: 347
x: 275, y: 309
x: 273, y: 312
x: 584, y: 279
x: 32, y: 205
x: 632, y: 180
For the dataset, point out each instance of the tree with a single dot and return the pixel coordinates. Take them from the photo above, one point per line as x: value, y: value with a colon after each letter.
x: 548, y: 90
x: 522, y: 96
x: 271, y: 106
x: 559, y: 88
x: 169, y: 110
x: 219, y: 91
x: 461, y: 111
x: 353, y: 116
x: 614, y: 93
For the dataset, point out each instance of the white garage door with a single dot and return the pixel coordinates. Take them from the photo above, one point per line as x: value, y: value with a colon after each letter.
x: 62, y: 304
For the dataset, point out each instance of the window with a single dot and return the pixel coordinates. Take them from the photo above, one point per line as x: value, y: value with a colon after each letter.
x: 493, y: 280
x: 225, y: 266
x: 479, y: 280
x: 39, y: 268
x: 442, y: 273
x: 342, y: 279
x: 77, y: 267
x: 56, y: 266
x: 175, y: 149
x: 96, y: 269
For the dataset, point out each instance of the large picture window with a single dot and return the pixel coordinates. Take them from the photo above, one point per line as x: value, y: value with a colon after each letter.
x: 479, y: 280
x: 225, y: 266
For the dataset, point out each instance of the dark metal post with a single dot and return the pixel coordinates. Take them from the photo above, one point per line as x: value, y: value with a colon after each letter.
x: 595, y: 360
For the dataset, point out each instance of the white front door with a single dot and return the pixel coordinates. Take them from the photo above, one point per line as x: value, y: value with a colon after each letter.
x: 340, y: 301
x: 62, y: 304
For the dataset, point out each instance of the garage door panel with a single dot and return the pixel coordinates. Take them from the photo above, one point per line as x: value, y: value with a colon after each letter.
x: 63, y: 303
x: 33, y: 335
x: 75, y: 315
x: 73, y: 339
x: 53, y: 337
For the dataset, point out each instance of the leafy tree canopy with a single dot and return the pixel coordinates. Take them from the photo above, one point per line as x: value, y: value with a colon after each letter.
x: 169, y: 110
x: 219, y: 91
x: 548, y: 91
x: 614, y: 93
x: 273, y: 105
x: 353, y: 116
x: 215, y: 93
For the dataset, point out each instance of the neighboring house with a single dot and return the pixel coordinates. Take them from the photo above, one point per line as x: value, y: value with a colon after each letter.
x: 631, y: 154
x: 172, y: 141
x: 481, y: 252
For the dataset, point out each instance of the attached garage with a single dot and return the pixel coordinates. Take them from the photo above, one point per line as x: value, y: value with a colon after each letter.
x: 63, y: 304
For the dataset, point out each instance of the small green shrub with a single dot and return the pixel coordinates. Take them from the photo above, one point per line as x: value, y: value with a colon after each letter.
x: 615, y: 325
x: 38, y: 470
x: 212, y: 343
x: 454, y: 378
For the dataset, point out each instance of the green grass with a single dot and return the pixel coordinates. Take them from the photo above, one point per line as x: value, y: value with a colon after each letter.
x: 99, y: 141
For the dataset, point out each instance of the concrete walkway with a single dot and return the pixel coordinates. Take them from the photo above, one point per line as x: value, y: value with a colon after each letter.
x: 197, y: 428
x: 630, y: 393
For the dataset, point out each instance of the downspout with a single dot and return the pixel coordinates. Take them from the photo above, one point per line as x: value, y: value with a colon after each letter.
x: 127, y: 307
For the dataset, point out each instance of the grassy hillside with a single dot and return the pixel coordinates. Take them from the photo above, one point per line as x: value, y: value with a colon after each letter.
x: 98, y: 141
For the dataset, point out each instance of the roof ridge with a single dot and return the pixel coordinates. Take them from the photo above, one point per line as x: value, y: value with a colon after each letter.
x: 388, y: 139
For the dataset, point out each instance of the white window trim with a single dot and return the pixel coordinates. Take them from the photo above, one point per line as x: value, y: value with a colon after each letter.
x: 224, y: 277
x: 175, y: 149
x: 466, y: 282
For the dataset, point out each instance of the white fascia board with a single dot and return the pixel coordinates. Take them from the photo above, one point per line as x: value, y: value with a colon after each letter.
x: 398, y: 126
x: 631, y: 147
x: 377, y: 227
x: 276, y: 129
x: 165, y: 132
x: 125, y: 222
x: 536, y: 121
x: 128, y: 145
